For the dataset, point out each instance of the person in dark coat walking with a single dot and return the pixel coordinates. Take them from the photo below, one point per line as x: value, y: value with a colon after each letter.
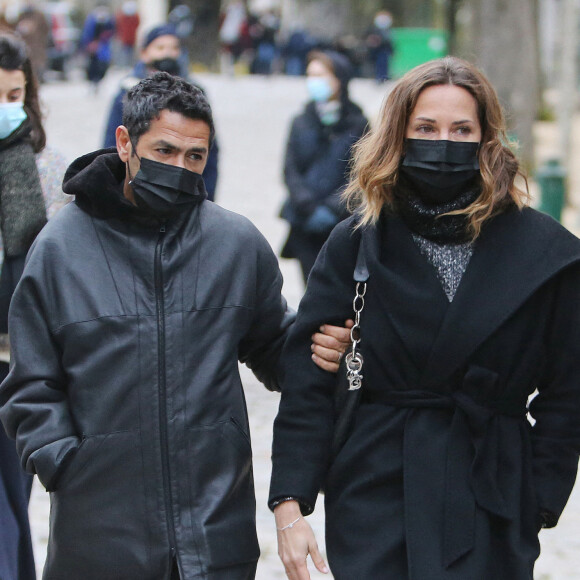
x: 30, y: 193
x: 160, y: 51
x: 317, y: 157
x: 124, y: 394
x: 96, y: 40
x: 471, y: 310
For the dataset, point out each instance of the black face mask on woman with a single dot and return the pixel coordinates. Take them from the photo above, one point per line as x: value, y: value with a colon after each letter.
x: 163, y: 190
x: 439, y: 171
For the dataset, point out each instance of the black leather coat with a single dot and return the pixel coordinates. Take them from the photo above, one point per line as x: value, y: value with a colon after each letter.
x: 124, y: 396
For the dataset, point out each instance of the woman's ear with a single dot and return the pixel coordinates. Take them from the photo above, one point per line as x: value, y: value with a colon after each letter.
x: 124, y: 145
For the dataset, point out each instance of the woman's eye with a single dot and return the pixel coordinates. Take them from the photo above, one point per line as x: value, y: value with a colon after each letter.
x: 425, y: 129
x: 464, y: 130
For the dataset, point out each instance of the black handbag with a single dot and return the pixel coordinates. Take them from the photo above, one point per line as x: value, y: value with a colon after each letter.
x: 349, y: 381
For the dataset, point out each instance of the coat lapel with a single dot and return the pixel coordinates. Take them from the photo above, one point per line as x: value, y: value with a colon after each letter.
x: 516, y: 253
x: 405, y: 286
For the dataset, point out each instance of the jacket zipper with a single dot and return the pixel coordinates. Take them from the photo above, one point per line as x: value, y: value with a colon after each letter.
x: 162, y: 376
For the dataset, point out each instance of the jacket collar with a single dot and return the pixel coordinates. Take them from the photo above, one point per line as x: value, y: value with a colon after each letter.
x: 516, y: 253
x: 96, y: 180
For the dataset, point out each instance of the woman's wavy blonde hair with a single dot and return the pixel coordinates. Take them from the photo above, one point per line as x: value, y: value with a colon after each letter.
x: 378, y: 155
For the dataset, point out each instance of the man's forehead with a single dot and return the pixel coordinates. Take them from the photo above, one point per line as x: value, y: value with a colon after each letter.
x: 175, y: 129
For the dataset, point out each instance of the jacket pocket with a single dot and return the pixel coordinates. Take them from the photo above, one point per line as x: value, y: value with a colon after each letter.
x: 101, y: 498
x: 222, y: 489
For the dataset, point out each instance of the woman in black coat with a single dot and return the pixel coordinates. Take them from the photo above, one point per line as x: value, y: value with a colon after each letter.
x: 471, y: 311
x: 317, y: 157
x: 30, y: 193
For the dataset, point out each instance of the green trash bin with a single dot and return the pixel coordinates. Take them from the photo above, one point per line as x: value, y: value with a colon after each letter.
x: 551, y: 178
x: 413, y: 46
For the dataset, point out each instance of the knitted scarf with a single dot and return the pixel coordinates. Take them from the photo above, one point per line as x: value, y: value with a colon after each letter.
x: 428, y: 220
x: 22, y: 207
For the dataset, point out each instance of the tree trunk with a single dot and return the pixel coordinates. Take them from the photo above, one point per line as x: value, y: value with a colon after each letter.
x: 203, y: 44
x: 505, y: 47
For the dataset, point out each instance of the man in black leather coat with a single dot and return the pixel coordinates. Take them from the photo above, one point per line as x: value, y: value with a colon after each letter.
x: 124, y: 394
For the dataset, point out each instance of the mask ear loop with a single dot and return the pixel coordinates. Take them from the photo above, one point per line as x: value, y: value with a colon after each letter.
x: 133, y: 152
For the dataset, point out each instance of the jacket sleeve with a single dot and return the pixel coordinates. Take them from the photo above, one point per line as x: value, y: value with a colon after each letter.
x: 556, y: 408
x: 33, y: 399
x: 114, y: 120
x: 304, y: 426
x: 261, y: 347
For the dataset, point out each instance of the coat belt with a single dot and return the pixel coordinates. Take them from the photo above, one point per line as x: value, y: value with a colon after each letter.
x: 472, y: 461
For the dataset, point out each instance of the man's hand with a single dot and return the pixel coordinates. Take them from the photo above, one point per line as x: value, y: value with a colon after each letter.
x: 295, y: 541
x: 330, y: 344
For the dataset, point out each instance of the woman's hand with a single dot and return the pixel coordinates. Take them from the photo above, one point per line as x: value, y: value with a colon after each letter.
x: 330, y: 344
x: 295, y: 541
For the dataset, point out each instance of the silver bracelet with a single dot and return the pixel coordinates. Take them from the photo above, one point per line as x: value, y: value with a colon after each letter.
x: 290, y: 525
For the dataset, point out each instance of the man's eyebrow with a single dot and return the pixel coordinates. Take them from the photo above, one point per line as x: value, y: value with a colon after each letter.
x: 167, y: 145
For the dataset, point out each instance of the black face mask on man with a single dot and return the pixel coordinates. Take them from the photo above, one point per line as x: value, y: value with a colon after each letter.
x: 163, y: 190
x: 439, y: 171
x: 168, y: 65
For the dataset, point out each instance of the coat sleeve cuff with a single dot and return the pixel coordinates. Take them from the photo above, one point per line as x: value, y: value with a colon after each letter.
x: 305, y: 507
x: 50, y: 461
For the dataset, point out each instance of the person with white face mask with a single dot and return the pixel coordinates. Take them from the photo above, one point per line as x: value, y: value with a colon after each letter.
x: 30, y: 192
x: 317, y: 155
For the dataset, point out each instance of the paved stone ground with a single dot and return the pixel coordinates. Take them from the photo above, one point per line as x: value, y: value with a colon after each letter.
x: 252, y: 116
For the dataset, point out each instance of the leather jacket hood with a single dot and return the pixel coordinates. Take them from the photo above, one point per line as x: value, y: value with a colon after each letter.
x: 96, y: 180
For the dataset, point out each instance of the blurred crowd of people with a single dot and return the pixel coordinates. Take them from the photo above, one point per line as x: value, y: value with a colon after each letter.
x: 57, y: 34
x: 258, y: 40
x: 59, y: 38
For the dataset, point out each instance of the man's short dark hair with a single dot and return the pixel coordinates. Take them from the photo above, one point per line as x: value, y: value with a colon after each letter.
x: 161, y: 91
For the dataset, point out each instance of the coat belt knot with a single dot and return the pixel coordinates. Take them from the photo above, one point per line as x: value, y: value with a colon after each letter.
x: 473, y: 455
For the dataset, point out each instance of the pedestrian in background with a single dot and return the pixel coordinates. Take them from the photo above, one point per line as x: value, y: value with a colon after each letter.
x: 470, y: 307
x: 160, y: 51
x: 234, y: 34
x: 183, y: 20
x: 33, y: 27
x: 96, y: 40
x: 380, y: 45
x: 124, y: 394
x: 264, y: 34
x: 295, y: 51
x: 127, y: 24
x: 317, y: 157
x: 30, y: 193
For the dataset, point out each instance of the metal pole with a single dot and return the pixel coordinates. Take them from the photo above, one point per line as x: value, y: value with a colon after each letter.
x: 568, y: 78
x: 452, y: 7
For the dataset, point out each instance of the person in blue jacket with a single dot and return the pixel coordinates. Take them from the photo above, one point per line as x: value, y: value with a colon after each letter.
x: 160, y: 51
x: 317, y: 157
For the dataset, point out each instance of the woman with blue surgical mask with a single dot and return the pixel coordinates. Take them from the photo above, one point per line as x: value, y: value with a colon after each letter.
x: 317, y: 156
x: 30, y: 193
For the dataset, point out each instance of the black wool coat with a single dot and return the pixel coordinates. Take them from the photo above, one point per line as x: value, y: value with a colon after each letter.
x: 443, y: 476
x: 316, y: 170
x: 124, y: 394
